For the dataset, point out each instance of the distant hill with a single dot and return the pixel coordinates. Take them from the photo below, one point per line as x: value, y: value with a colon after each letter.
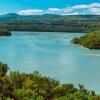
x: 49, y: 22
x: 14, y: 16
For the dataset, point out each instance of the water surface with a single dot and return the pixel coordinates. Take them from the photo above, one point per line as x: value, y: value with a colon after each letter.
x: 53, y: 55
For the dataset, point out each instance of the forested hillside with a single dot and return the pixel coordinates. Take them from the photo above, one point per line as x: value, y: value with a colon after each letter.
x: 90, y: 40
x: 47, y: 22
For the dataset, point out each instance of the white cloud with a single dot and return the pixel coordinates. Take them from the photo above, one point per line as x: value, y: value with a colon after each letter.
x: 86, y: 6
x: 93, y: 8
x: 80, y: 6
x: 94, y: 5
x: 65, y: 10
x: 30, y: 12
x: 54, y: 10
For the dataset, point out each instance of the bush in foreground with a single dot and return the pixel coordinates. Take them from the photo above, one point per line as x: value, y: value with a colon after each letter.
x: 34, y: 86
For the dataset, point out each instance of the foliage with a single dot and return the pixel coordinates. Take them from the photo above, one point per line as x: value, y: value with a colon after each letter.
x: 90, y: 40
x: 3, y: 69
x: 34, y: 86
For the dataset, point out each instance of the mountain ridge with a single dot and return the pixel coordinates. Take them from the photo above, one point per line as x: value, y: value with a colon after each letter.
x: 49, y: 22
x: 70, y: 17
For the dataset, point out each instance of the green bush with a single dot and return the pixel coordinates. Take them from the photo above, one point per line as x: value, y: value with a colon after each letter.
x: 34, y: 86
x: 90, y: 40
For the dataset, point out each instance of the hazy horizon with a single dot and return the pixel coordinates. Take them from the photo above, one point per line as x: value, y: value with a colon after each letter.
x: 52, y: 14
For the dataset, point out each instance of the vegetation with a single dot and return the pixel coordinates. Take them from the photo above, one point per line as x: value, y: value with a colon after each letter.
x: 4, y: 32
x: 51, y: 23
x: 90, y: 40
x: 34, y: 86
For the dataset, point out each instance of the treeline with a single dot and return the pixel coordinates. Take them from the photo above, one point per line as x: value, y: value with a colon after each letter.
x: 34, y: 86
x: 51, y: 23
x: 53, y: 26
x: 90, y: 40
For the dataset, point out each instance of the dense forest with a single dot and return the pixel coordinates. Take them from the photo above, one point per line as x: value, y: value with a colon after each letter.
x: 90, y: 40
x: 48, y: 22
x: 34, y: 86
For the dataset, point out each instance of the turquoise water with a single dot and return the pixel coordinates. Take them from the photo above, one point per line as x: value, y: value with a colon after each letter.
x: 53, y: 55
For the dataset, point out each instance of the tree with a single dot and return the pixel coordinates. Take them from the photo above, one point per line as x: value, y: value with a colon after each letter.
x: 3, y: 69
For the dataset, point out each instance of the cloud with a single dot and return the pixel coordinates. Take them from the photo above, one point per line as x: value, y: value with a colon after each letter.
x: 86, y: 6
x: 93, y: 8
x: 30, y: 12
x: 54, y: 10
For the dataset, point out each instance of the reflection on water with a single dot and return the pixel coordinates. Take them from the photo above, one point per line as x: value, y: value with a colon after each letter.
x: 52, y: 54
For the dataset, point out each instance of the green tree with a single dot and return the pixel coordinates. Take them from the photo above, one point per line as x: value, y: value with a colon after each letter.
x: 3, y: 69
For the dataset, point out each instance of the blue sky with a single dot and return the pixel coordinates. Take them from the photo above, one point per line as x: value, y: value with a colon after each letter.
x: 50, y: 6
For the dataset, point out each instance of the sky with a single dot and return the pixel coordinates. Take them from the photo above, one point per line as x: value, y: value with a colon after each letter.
x: 37, y: 7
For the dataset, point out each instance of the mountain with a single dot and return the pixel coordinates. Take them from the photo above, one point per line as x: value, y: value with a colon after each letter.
x: 49, y: 22
x: 10, y: 15
x: 14, y: 16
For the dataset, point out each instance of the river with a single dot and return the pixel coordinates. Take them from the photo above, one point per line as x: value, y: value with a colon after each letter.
x: 52, y: 54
